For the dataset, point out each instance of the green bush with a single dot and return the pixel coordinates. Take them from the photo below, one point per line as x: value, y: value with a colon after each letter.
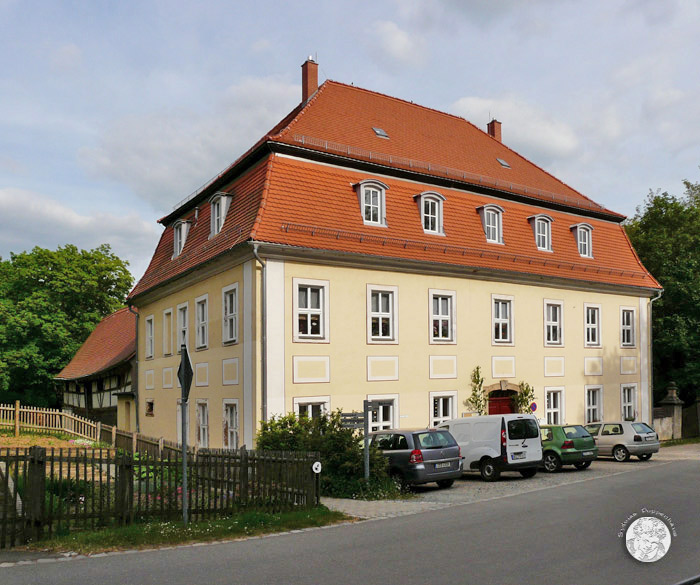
x: 341, y: 452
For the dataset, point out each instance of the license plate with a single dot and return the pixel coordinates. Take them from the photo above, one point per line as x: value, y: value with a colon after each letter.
x: 443, y: 465
x: 515, y: 456
x: 587, y: 453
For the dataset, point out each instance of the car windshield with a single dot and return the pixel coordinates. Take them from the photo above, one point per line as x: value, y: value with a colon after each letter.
x: 525, y: 428
x: 434, y: 439
x: 642, y: 428
x: 575, y: 432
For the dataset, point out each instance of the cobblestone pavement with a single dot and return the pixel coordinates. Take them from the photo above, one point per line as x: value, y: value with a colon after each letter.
x: 471, y: 488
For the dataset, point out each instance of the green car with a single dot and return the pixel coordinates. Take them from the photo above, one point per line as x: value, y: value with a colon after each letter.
x: 567, y: 445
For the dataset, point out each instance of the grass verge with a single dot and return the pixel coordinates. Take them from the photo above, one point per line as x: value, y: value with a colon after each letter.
x: 154, y: 534
x: 680, y: 442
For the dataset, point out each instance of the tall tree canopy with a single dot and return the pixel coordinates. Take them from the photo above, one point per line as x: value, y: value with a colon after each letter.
x: 666, y: 234
x: 50, y: 301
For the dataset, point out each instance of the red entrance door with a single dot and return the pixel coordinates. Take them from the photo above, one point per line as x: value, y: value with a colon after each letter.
x: 501, y: 405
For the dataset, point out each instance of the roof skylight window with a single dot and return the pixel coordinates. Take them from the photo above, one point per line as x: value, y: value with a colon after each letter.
x: 380, y: 132
x: 504, y: 164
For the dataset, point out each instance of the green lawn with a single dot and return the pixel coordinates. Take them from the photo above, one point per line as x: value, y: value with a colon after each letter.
x: 680, y: 442
x: 154, y: 534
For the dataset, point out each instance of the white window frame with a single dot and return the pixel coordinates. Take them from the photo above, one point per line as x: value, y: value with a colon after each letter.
x: 380, y: 188
x: 554, y: 326
x: 435, y: 215
x: 392, y: 315
x: 492, y: 222
x: 201, y: 319
x: 180, y: 231
x: 451, y: 397
x: 551, y: 411
x: 229, y: 315
x: 202, y: 438
x: 381, y: 423
x: 324, y: 311
x: 510, y: 321
x: 305, y: 401
x: 628, y: 405
x: 150, y: 337
x: 584, y: 244
x: 543, y: 239
x: 591, y: 408
x: 183, y: 331
x: 168, y: 333
x: 227, y: 430
x: 631, y: 327
x: 451, y: 317
x: 219, y: 205
x: 588, y: 326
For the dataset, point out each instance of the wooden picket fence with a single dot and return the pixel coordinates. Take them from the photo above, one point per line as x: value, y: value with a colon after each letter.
x: 46, y: 420
x: 48, y: 492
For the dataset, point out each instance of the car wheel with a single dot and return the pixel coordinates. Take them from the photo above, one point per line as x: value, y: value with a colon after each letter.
x: 620, y: 453
x: 644, y: 457
x: 551, y: 462
x: 582, y: 464
x: 529, y: 472
x: 445, y: 483
x: 489, y: 471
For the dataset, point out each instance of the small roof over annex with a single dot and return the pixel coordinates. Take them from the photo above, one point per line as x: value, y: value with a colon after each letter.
x: 112, y: 343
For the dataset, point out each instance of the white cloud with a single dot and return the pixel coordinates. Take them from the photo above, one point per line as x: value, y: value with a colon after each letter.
x: 28, y: 219
x: 164, y: 156
x: 527, y: 129
x: 393, y: 45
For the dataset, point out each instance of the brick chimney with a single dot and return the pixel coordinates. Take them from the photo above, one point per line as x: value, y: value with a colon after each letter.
x: 494, y: 129
x: 309, y: 79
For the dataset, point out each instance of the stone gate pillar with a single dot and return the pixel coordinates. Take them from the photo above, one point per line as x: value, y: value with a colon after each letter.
x: 675, y: 404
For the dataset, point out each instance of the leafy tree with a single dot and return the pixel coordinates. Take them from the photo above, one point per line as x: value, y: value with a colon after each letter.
x: 50, y: 301
x: 666, y: 235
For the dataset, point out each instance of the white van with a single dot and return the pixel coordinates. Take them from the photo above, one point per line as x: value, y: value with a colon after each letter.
x: 498, y: 442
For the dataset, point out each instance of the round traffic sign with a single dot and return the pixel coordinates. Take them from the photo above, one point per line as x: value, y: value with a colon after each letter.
x: 316, y: 467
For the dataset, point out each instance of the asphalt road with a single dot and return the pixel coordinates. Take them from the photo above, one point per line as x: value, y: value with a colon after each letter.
x: 562, y: 535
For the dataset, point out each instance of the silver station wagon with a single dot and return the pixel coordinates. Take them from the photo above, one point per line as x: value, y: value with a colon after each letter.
x: 622, y: 439
x: 420, y: 456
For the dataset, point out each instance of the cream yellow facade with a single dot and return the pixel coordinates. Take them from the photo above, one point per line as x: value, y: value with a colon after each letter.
x: 224, y: 374
x: 415, y: 377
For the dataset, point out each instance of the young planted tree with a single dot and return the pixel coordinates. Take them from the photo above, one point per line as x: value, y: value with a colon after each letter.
x: 477, y: 399
x: 50, y: 301
x: 524, y: 398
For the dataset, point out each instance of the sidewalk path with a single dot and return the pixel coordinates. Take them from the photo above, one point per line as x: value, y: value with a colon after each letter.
x: 381, y: 508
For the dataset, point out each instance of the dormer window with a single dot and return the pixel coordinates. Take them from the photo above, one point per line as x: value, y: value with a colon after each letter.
x: 542, y: 228
x: 430, y: 204
x: 219, y: 207
x: 583, y: 233
x: 492, y: 222
x: 372, y: 197
x: 180, y: 231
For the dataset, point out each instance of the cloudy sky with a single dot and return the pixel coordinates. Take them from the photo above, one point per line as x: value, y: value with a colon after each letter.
x: 112, y: 112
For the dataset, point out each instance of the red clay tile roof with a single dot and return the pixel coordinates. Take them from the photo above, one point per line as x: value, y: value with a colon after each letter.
x: 340, y: 118
x: 314, y: 206
x: 112, y: 342
x: 288, y: 201
x: 246, y: 194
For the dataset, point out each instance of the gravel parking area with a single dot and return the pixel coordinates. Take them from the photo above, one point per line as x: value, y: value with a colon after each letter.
x: 471, y: 488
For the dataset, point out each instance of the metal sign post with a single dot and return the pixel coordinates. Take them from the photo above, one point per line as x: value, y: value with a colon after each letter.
x: 184, y: 374
x: 367, y: 408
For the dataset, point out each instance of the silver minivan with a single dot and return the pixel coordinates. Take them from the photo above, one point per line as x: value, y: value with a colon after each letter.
x: 622, y: 439
x: 498, y: 442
